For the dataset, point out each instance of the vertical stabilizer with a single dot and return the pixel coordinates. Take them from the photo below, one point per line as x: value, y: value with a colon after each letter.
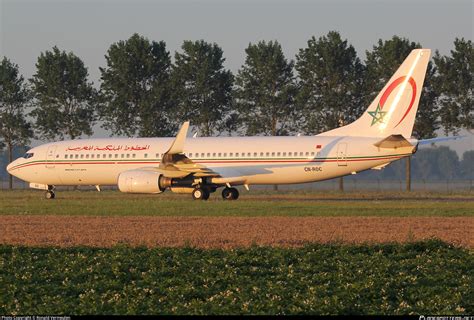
x: 394, y: 109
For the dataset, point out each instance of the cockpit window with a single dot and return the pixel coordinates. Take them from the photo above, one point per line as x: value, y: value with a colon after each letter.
x: 28, y: 155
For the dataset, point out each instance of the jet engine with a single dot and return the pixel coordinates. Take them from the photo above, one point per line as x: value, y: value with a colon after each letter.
x: 139, y: 181
x: 144, y: 181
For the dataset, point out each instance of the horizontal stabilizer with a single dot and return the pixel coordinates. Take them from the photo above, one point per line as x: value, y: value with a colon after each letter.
x: 434, y: 140
x: 393, y: 141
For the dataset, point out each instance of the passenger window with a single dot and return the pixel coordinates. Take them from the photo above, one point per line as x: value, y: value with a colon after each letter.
x: 273, y: 154
x: 307, y: 153
x: 284, y: 154
x: 301, y: 153
x: 237, y: 154
x: 65, y: 156
x: 267, y: 154
x: 92, y: 156
x: 77, y: 156
x: 110, y: 155
x: 312, y: 153
x: 202, y: 154
x: 278, y: 154
x: 121, y: 156
x: 261, y: 154
x: 82, y: 156
x: 290, y: 154
x: 145, y: 155
x: 213, y: 154
x: 128, y: 155
x: 225, y: 155
x: 231, y: 154
x: 255, y: 154
x: 219, y: 154
x: 208, y: 154
x: 116, y: 155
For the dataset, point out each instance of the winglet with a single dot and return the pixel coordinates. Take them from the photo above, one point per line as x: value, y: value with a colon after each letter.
x: 178, y: 143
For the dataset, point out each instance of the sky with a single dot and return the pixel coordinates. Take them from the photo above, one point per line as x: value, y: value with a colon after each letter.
x: 88, y: 28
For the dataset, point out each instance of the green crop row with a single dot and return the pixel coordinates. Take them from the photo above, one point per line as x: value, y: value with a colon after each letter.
x: 429, y: 277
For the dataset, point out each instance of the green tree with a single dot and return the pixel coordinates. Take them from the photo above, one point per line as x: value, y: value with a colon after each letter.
x: 202, y: 87
x: 136, y: 94
x: 330, y: 76
x: 265, y: 90
x: 65, y: 101
x: 15, y: 130
x: 436, y: 163
x: 467, y: 165
x: 455, y: 86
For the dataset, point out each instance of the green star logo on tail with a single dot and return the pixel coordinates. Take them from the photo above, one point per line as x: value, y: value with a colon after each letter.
x: 377, y: 115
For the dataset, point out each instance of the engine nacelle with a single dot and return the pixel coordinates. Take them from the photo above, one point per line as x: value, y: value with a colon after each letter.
x: 139, y: 181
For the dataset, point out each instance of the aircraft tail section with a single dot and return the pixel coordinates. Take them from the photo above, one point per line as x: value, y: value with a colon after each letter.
x: 393, y: 111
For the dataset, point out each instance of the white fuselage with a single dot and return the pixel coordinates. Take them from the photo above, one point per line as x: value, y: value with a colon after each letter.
x: 258, y: 160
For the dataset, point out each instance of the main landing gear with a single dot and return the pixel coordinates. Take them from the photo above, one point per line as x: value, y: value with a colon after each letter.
x: 202, y: 193
x: 230, y: 194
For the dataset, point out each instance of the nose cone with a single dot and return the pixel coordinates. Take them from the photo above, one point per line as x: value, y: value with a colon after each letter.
x: 10, y: 166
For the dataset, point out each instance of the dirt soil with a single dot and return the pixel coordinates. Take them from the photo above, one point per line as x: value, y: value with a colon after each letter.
x: 228, y: 232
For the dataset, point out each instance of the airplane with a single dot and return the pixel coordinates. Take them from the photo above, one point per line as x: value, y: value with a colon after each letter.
x: 200, y: 166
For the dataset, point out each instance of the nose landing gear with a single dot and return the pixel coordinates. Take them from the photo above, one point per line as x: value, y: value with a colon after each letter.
x: 50, y: 194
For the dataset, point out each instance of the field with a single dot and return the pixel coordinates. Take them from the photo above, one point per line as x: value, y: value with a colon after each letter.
x: 250, y: 204
x: 315, y: 253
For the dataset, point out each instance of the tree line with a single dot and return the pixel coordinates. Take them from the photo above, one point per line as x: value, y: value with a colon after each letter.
x: 142, y: 92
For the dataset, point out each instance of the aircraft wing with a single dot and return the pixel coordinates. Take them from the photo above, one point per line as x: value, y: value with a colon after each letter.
x: 175, y: 164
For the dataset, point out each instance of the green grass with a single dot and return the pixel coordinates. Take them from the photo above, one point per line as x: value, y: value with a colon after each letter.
x: 250, y: 204
x: 429, y: 277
